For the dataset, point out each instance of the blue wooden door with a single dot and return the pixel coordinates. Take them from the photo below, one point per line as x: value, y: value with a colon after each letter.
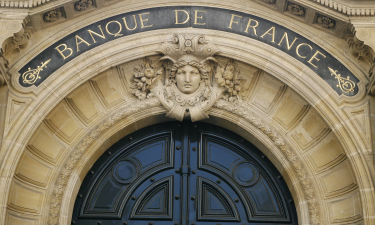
x: 183, y: 174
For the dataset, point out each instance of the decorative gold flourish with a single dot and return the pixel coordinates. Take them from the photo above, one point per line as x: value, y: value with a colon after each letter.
x: 31, y: 76
x: 346, y: 85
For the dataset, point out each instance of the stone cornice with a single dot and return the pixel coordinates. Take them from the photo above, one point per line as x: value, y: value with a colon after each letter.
x: 350, y: 8
x: 22, y: 4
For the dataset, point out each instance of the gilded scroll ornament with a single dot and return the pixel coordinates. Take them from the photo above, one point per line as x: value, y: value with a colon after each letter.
x: 345, y: 84
x: 32, y: 75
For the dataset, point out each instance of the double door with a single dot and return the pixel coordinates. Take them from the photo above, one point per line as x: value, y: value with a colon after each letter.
x: 183, y: 174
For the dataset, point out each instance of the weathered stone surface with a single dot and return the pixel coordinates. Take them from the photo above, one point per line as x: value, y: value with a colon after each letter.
x: 320, y: 141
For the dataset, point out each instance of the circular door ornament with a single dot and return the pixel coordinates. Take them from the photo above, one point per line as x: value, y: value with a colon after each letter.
x: 246, y: 174
x: 125, y: 172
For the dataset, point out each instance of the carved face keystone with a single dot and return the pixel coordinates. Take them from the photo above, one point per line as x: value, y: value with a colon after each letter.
x: 188, y: 79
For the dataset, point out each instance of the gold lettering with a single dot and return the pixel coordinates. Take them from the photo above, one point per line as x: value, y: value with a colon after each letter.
x: 273, y: 34
x: 143, y: 20
x: 287, y: 41
x: 119, y: 30
x: 126, y: 24
x: 198, y: 17
x: 232, y: 21
x: 297, y: 49
x: 92, y: 32
x: 314, y: 57
x: 63, y: 50
x: 80, y: 42
x: 187, y: 14
x: 249, y: 25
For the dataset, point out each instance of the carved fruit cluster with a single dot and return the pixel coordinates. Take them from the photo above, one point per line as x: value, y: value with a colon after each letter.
x: 53, y: 15
x: 296, y: 9
x: 326, y: 22
x: 143, y: 78
x: 83, y: 4
x: 228, y: 78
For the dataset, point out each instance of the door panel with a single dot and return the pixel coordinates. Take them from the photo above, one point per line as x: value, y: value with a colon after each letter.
x: 185, y: 174
x: 125, y: 173
x: 155, y: 202
x: 214, y: 203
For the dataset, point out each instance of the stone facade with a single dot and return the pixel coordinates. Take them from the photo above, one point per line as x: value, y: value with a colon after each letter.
x: 320, y: 139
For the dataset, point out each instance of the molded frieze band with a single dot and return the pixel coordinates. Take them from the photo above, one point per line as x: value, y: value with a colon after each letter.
x: 325, y: 65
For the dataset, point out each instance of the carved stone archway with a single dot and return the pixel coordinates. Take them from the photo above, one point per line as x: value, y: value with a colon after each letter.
x: 81, y: 93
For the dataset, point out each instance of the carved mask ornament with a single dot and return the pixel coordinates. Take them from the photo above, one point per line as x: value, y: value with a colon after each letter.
x: 184, y: 80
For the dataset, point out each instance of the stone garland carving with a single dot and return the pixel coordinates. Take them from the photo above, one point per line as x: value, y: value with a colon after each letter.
x: 3, y: 59
x: 53, y: 15
x: 326, y: 22
x: 371, y: 71
x: 82, y: 5
x: 2, y: 79
x: 245, y: 112
x: 296, y: 9
x: 76, y: 154
x: 4, y: 64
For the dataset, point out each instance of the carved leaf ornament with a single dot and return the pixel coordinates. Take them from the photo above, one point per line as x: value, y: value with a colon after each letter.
x: 145, y: 75
x: 228, y: 78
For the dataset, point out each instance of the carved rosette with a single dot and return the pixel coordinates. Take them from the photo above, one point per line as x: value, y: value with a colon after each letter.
x: 187, y: 80
x: 82, y: 5
x: 296, y: 9
x: 326, y: 22
x: 53, y: 15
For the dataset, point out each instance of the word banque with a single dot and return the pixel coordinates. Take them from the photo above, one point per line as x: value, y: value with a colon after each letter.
x: 297, y: 46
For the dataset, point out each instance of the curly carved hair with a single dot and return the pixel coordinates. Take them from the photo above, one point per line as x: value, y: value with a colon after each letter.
x: 182, y: 63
